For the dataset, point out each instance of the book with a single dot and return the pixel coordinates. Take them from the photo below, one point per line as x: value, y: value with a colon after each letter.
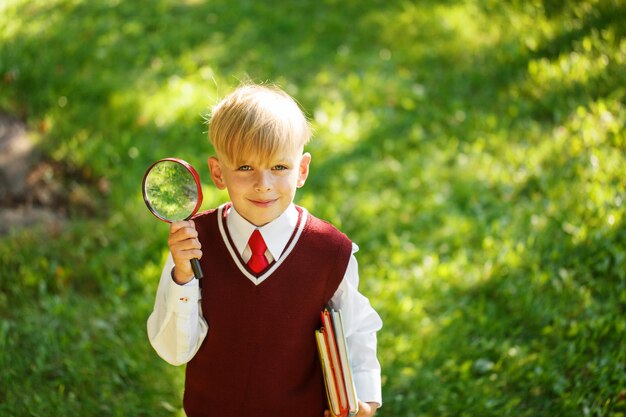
x: 342, y: 345
x: 332, y: 391
x: 334, y: 358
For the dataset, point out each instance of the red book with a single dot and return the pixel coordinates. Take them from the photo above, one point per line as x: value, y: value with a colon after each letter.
x: 333, y: 353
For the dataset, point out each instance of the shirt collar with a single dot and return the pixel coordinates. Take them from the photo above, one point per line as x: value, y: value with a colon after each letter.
x: 276, y: 233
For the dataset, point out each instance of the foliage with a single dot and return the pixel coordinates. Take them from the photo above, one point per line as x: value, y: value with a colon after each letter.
x: 481, y: 142
x: 171, y: 190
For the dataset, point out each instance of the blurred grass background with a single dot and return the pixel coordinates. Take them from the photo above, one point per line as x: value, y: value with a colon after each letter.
x: 474, y: 149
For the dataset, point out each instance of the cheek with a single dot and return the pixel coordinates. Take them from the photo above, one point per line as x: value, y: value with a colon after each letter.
x: 289, y: 184
x: 240, y: 182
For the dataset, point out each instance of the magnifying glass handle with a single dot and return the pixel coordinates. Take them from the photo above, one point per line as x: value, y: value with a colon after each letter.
x: 197, y: 270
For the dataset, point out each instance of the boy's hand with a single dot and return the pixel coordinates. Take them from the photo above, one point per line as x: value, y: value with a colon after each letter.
x: 184, y: 246
x: 365, y: 410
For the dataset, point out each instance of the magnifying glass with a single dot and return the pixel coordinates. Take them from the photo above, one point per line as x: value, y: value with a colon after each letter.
x: 172, y: 192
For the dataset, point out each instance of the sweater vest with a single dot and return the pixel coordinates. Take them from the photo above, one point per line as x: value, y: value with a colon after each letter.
x: 259, y: 358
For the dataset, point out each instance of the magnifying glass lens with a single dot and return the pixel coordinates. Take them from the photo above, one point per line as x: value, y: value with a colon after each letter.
x: 171, y: 191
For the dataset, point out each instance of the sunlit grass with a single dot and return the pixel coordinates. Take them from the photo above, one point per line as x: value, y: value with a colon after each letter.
x: 473, y: 151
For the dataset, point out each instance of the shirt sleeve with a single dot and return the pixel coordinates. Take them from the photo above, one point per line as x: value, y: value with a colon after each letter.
x: 361, y: 322
x: 176, y: 327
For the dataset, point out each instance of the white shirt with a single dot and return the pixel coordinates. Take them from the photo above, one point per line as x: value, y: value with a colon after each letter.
x: 176, y: 327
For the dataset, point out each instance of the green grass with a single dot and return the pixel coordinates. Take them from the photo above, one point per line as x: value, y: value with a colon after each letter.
x: 473, y: 149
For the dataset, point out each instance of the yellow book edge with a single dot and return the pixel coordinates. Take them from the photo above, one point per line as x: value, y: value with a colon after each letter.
x: 327, y: 371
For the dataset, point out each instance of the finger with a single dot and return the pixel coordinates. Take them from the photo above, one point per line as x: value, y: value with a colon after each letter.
x: 183, y: 258
x: 175, y: 226
x: 182, y: 263
x: 182, y: 234
x: 186, y: 232
x: 365, y: 410
x: 185, y: 244
x: 178, y: 249
x: 362, y: 409
x: 183, y: 247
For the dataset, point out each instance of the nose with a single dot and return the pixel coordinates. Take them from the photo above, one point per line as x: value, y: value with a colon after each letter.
x: 263, y: 181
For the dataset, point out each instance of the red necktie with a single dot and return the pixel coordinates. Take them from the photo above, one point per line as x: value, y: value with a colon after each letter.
x: 258, y: 262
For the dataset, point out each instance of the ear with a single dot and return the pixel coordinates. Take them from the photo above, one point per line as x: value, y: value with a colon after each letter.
x: 303, y: 169
x: 216, y: 173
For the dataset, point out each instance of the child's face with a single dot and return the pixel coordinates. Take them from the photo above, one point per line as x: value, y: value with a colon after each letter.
x: 262, y: 190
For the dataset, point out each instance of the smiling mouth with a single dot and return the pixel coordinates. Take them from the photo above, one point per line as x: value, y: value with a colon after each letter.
x: 262, y: 203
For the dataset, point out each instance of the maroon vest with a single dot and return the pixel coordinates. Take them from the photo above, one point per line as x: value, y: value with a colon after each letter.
x: 259, y: 358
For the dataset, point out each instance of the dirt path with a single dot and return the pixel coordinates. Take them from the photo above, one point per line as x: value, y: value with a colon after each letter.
x: 37, y: 191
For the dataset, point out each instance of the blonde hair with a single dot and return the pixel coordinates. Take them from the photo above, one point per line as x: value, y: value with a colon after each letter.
x: 259, y: 122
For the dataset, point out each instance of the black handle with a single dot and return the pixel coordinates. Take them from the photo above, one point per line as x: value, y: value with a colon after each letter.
x: 197, y: 270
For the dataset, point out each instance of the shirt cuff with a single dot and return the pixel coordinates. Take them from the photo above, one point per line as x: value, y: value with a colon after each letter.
x: 368, y: 387
x: 183, y: 299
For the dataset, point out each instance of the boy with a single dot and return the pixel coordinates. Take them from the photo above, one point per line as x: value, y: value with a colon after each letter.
x: 247, y: 334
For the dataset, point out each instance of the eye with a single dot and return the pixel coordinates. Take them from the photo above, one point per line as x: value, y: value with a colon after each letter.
x: 279, y: 167
x: 244, y: 168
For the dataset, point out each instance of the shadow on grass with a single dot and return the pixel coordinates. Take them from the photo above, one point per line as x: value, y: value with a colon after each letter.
x: 503, y: 326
